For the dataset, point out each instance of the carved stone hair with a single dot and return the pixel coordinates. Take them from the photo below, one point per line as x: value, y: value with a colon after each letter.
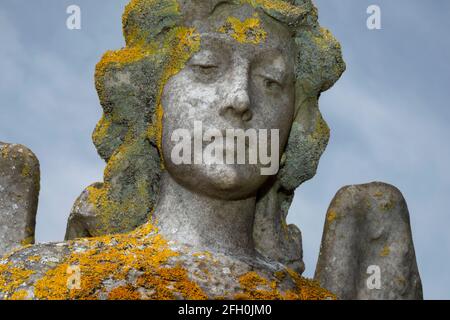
x: 159, y: 41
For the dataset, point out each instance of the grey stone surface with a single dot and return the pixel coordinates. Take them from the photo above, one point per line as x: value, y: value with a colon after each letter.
x: 368, y: 225
x: 83, y: 220
x: 19, y: 191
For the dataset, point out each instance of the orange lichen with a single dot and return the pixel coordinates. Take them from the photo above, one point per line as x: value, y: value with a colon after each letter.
x: 308, y: 289
x: 170, y: 283
x: 12, y: 277
x: 126, y: 292
x: 112, y: 258
x: 256, y: 287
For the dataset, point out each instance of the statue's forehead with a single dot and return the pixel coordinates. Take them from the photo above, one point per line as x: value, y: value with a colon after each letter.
x: 244, y: 28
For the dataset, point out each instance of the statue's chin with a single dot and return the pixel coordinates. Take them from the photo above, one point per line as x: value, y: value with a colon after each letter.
x: 223, y: 181
x: 233, y: 181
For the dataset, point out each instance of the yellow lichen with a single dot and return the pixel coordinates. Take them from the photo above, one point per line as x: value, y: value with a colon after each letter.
x: 280, y: 275
x: 386, y: 251
x: 126, y: 55
x: 126, y: 292
x: 112, y: 257
x: 321, y: 129
x: 101, y: 129
x: 386, y: 205
x: 134, y: 34
x: 378, y: 194
x: 247, y: 31
x: 202, y: 254
x: 26, y: 170
x: 308, y: 289
x: 12, y: 277
x: 331, y: 216
x: 5, y: 152
x: 20, y: 295
x: 120, y: 58
x: 181, y: 44
x: 256, y: 287
x: 28, y: 240
x: 276, y: 5
x: 34, y: 258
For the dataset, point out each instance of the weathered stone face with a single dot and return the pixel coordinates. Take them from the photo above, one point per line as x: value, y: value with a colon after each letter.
x: 19, y: 191
x: 241, y: 78
x: 367, y: 234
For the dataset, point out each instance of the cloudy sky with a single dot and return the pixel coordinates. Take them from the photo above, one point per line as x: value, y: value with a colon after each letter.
x: 388, y: 114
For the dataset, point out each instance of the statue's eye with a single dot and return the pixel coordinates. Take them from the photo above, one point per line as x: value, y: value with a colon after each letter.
x: 206, y: 69
x: 272, y: 84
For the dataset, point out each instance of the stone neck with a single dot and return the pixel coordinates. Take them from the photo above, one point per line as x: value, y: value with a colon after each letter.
x: 203, y: 222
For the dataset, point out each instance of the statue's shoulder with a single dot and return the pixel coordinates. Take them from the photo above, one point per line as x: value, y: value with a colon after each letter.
x: 143, y: 265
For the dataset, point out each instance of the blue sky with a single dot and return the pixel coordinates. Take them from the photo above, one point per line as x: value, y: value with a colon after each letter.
x: 388, y: 114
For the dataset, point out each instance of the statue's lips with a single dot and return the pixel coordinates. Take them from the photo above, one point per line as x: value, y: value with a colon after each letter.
x: 224, y: 140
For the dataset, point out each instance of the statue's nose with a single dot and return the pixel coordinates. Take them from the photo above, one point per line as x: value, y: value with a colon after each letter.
x: 237, y: 101
x: 241, y: 103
